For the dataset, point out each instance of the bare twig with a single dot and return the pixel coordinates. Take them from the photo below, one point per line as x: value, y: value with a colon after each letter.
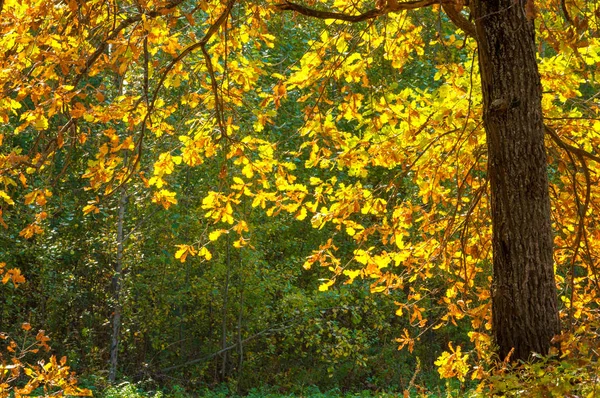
x: 228, y: 348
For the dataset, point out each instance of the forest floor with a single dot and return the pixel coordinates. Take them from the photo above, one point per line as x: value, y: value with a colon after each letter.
x: 127, y: 390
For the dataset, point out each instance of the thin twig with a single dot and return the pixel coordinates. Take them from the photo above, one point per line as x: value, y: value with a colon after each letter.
x: 113, y: 35
x: 200, y: 44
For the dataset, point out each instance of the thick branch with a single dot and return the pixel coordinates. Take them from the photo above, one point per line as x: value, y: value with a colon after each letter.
x: 566, y: 14
x: 391, y: 6
x: 459, y: 20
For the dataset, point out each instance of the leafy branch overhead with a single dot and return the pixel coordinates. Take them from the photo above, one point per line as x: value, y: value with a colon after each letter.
x: 443, y: 153
x: 451, y: 7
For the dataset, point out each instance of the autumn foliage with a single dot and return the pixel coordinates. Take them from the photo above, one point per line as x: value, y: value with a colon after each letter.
x: 18, y: 377
x: 370, y: 131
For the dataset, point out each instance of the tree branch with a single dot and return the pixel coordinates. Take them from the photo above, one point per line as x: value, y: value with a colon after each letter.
x: 150, y: 108
x: 318, y: 312
x: 565, y: 11
x: 459, y: 20
x: 570, y: 148
x: 115, y: 33
x: 230, y: 347
x: 391, y: 6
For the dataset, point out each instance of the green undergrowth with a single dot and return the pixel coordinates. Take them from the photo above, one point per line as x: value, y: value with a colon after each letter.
x: 550, y: 377
x: 128, y: 390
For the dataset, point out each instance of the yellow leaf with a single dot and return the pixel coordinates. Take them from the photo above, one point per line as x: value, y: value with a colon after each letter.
x: 351, y: 274
x: 31, y: 230
x: 30, y: 197
x: 183, y: 252
x: 204, y: 252
x: 165, y: 198
x: 399, y: 311
x: 91, y: 208
x: 325, y: 286
x: 301, y: 215
x: 361, y: 256
x: 247, y: 171
x: 41, y: 123
x: 381, y: 261
x: 13, y: 274
x: 6, y: 198
x: 406, y: 340
x: 214, y: 235
x: 398, y: 240
x: 453, y: 364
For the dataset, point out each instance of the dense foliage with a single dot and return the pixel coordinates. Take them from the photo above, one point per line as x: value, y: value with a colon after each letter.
x: 233, y: 194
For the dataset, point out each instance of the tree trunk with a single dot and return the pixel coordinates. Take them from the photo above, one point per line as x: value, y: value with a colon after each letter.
x: 117, y: 285
x: 524, y: 297
x: 224, y: 312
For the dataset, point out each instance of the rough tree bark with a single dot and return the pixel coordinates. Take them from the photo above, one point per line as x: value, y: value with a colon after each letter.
x: 524, y: 296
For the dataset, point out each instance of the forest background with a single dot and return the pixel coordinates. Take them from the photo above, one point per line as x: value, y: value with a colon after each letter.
x: 258, y: 197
